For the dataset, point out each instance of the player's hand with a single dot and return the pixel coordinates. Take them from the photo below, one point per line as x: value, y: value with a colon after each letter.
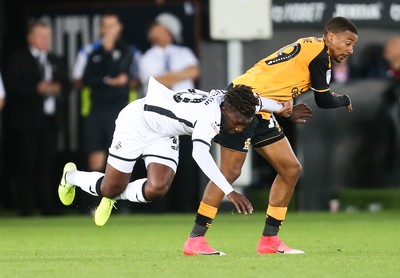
x: 348, y: 107
x: 241, y: 202
x: 287, y: 109
x: 121, y: 80
x: 300, y: 113
x: 48, y: 88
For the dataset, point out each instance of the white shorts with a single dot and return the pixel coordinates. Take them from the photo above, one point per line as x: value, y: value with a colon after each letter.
x: 133, y: 139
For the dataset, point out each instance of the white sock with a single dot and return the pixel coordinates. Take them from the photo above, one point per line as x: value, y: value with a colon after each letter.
x: 85, y: 180
x: 133, y: 192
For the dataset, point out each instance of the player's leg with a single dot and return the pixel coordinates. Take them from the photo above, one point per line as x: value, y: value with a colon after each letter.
x: 231, y: 165
x: 115, y: 185
x: 154, y: 187
x: 161, y: 159
x: 234, y: 149
x: 281, y: 156
x: 123, y: 153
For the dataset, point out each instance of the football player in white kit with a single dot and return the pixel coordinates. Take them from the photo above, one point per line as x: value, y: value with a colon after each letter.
x: 148, y: 128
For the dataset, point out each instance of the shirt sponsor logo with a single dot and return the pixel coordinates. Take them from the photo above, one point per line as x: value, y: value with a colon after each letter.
x: 118, y: 146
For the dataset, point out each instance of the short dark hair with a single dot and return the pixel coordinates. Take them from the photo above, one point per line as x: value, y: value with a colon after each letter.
x: 339, y: 25
x: 37, y: 23
x: 241, y: 99
x: 110, y: 13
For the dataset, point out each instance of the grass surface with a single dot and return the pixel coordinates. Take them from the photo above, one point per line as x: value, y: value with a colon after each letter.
x: 137, y: 245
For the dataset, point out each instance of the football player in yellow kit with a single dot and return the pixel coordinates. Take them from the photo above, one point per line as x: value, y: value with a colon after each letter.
x: 282, y: 76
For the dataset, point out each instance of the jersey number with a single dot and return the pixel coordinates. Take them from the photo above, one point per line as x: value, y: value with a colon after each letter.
x: 189, y: 96
x: 283, y: 56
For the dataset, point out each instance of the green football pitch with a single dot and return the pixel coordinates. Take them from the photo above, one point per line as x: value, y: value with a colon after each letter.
x: 356, y: 244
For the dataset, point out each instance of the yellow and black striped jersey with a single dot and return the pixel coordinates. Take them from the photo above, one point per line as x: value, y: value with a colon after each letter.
x: 290, y: 71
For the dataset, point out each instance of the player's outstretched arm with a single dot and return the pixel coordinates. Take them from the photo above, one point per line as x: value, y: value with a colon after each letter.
x: 332, y: 100
x: 201, y: 154
x: 269, y: 105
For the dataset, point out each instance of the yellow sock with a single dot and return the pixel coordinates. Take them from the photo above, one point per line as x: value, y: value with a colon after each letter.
x: 204, y: 218
x: 207, y: 210
x: 279, y: 213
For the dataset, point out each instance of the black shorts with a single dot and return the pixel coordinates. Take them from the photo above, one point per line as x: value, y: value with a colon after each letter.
x: 98, y: 128
x: 258, y: 133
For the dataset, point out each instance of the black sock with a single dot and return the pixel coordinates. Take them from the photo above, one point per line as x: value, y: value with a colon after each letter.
x: 272, y: 226
x: 98, y: 184
x: 201, y: 225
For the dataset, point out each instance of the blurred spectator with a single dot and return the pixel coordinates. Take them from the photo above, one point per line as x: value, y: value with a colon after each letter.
x: 388, y: 121
x: 392, y: 56
x: 344, y: 71
x: 102, y: 72
x: 173, y: 65
x: 176, y: 67
x: 373, y: 64
x: 36, y: 81
x: 104, y: 67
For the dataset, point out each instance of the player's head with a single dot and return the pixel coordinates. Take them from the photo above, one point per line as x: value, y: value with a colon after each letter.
x: 392, y: 51
x: 39, y: 35
x: 165, y: 29
x: 340, y: 36
x: 238, y: 108
x: 111, y: 26
x: 159, y: 35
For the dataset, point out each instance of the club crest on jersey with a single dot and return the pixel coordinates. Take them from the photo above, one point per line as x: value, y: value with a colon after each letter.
x: 116, y: 55
x: 96, y: 59
x: 175, y: 142
x: 246, y: 145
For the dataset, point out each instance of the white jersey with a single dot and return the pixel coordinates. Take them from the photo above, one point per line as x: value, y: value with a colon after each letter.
x: 149, y: 128
x: 186, y: 112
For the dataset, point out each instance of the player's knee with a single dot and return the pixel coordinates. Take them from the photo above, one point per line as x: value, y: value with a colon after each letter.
x: 294, y: 170
x: 231, y: 173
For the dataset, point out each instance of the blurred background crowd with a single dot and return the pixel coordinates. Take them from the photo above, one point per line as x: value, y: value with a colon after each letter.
x: 68, y: 67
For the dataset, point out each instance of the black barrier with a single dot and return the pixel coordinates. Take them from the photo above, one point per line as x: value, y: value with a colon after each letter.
x: 296, y: 14
x: 341, y: 150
